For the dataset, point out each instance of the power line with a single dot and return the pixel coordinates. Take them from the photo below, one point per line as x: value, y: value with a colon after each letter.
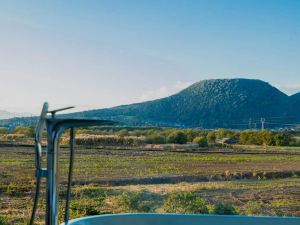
x: 286, y: 124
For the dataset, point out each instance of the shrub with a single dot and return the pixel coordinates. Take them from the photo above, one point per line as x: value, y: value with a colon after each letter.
x: 253, y: 208
x: 223, y: 133
x: 155, y: 138
x: 211, y: 137
x: 267, y: 137
x: 3, y: 131
x: 190, y: 134
x: 95, y: 140
x: 201, y: 141
x: 177, y: 137
x: 131, y: 202
x: 2, y: 221
x: 186, y: 203
x: 220, y: 208
x: 26, y: 131
x: 87, y: 209
x: 283, y: 139
x: 250, y: 138
x: 123, y: 133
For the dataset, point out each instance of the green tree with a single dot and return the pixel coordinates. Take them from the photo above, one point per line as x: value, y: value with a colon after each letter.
x: 31, y: 131
x: 3, y: 130
x: 177, y: 137
x: 190, y: 134
x: 155, y: 138
x: 201, y: 141
x: 211, y: 137
x: 26, y: 131
x: 267, y: 137
x: 283, y: 139
x: 249, y: 137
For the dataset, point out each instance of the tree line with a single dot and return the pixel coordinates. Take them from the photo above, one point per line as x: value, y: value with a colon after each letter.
x: 158, y: 135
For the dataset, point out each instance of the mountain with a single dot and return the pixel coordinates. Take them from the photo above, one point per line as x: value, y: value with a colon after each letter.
x: 295, y: 102
x: 7, y: 115
x: 227, y: 103
x: 296, y: 97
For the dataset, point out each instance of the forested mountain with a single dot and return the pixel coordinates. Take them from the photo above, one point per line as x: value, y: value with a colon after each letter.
x: 295, y: 104
x: 227, y: 103
x: 296, y: 97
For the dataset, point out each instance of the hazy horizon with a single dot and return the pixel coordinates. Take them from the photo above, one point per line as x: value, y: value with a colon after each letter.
x: 97, y: 54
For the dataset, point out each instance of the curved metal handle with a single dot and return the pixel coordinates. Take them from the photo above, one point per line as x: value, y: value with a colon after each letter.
x: 38, y: 139
x: 39, y: 172
x: 41, y: 123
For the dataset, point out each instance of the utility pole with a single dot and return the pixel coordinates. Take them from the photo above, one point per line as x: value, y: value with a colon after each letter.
x: 250, y: 123
x: 262, y: 120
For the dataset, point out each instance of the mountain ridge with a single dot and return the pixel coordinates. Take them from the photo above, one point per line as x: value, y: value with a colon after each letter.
x: 205, y: 101
x: 226, y: 103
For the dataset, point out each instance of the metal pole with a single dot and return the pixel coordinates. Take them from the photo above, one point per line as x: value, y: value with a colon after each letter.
x: 250, y: 123
x: 55, y: 128
x: 72, y: 143
x: 262, y: 120
x: 52, y: 178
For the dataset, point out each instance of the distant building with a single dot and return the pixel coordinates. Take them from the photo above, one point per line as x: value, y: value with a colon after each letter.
x: 228, y: 141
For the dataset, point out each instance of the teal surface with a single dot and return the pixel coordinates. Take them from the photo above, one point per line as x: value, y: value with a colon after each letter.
x: 177, y: 219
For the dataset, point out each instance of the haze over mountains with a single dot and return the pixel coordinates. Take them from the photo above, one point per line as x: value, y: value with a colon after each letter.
x: 227, y: 103
x: 7, y: 115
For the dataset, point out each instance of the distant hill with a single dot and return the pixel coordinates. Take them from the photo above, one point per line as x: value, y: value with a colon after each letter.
x: 227, y: 103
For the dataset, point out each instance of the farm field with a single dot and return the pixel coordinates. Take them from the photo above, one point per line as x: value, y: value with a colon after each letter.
x: 104, y: 180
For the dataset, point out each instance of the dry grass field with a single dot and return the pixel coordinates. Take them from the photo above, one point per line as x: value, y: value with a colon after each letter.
x: 115, y: 181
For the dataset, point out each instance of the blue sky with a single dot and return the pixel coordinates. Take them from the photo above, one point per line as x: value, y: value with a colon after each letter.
x: 98, y: 53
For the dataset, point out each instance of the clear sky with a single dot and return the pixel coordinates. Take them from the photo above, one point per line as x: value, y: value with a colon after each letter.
x: 100, y: 53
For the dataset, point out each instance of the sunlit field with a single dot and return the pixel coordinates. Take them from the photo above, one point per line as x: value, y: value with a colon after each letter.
x: 116, y: 181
